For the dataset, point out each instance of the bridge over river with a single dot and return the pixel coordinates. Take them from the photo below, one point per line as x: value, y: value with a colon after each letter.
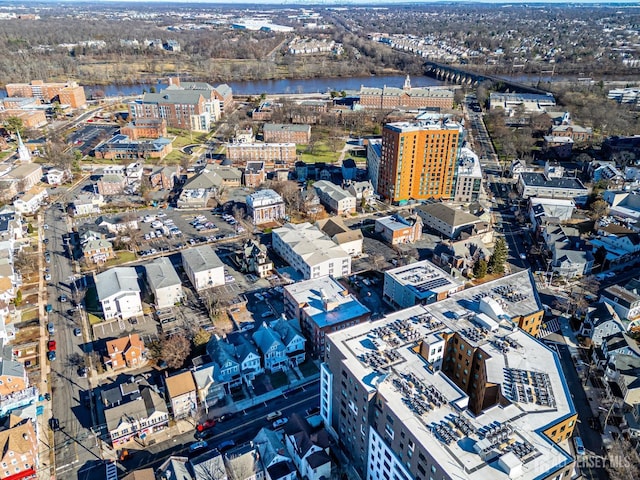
x: 460, y: 76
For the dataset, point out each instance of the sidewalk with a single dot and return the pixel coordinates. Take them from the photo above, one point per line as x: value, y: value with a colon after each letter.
x: 46, y: 447
x: 252, y: 402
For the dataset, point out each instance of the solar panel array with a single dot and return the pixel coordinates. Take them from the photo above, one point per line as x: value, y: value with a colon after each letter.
x: 525, y: 386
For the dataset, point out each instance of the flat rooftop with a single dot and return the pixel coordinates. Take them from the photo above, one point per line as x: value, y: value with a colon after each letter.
x: 424, y: 277
x: 383, y: 356
x: 326, y: 301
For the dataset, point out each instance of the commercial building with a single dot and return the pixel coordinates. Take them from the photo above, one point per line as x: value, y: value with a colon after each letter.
x: 286, y: 133
x: 532, y: 184
x: 310, y: 251
x: 450, y: 391
x: 164, y: 283
x: 418, y: 283
x: 25, y: 176
x: 396, y: 229
x: 67, y: 93
x: 529, y: 102
x: 121, y: 147
x: 419, y: 160
x: 265, y: 206
x: 322, y: 305
x: 203, y: 267
x: 405, y: 97
x: 119, y: 293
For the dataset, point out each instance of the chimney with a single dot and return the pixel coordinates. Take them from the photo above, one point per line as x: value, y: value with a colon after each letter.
x: 175, y: 81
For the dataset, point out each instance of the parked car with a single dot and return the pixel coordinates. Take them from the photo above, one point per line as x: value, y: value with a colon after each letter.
x: 82, y: 372
x: 267, y: 314
x: 259, y: 296
x: 198, y: 446
x: 77, y: 332
x: 273, y: 415
x: 50, y: 328
x: 51, y: 346
x: 63, y: 298
x: 51, y: 356
x: 281, y: 422
x: 47, y: 277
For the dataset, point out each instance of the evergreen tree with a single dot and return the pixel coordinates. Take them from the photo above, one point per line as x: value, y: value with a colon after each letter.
x: 499, y: 257
x: 480, y: 268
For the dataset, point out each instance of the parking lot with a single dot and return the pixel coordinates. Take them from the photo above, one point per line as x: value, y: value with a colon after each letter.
x: 86, y: 138
x: 164, y: 230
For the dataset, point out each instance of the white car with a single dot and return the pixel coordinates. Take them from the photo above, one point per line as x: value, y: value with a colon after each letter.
x: 259, y: 296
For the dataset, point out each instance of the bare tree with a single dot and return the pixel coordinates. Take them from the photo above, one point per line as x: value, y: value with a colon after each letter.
x: 175, y: 350
x: 624, y: 461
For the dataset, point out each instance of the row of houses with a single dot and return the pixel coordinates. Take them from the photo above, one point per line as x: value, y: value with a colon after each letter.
x: 299, y: 450
x: 119, y: 291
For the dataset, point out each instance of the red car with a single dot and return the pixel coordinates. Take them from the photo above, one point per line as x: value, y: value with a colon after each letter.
x: 52, y: 345
x: 209, y: 423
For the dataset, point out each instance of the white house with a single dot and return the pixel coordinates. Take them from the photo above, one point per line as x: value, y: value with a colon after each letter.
x: 203, y: 267
x: 87, y: 204
x: 310, y: 251
x: 164, y: 283
x: 56, y: 176
x: 31, y: 201
x: 119, y: 293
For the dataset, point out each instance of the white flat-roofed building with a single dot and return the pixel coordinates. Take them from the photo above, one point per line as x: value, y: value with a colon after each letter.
x: 309, y: 251
x: 164, y: 282
x: 530, y: 102
x: 497, y: 408
x: 265, y: 206
x: 418, y: 283
x: 203, y: 267
x: 119, y: 293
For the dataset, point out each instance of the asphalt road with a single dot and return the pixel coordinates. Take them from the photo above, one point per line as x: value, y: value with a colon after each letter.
x: 74, y: 442
x: 241, y: 428
x: 590, y: 437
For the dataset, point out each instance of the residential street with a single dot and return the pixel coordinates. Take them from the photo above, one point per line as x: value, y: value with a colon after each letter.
x: 75, y: 443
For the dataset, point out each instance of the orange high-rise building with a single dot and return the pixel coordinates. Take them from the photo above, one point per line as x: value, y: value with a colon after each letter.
x: 418, y: 160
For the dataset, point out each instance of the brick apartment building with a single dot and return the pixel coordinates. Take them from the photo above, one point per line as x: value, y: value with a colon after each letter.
x: 67, y: 93
x: 281, y: 133
x: 272, y: 154
x: 405, y: 97
x: 145, y: 128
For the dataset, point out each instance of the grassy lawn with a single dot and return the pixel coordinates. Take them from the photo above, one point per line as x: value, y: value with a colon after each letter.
x: 278, y: 379
x: 122, y: 256
x: 308, y: 368
x: 30, y: 314
x: 321, y: 153
x: 184, y: 137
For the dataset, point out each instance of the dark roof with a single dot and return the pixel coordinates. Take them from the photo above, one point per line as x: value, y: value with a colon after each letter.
x: 281, y: 470
x: 349, y: 163
x: 533, y: 179
x: 317, y: 459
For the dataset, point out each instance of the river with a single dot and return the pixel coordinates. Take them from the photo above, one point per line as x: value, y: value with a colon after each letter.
x: 274, y: 87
